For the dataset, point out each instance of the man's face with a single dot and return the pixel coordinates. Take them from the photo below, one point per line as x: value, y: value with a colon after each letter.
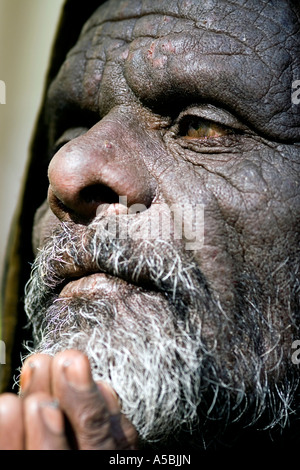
x: 184, y: 109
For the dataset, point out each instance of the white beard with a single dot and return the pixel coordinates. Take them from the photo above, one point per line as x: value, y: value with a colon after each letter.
x: 166, y: 358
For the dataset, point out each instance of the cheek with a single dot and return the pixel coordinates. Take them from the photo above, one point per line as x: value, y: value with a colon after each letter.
x: 44, y: 224
x: 244, y: 196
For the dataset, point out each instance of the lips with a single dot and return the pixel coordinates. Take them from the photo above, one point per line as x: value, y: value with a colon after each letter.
x: 87, y: 261
x: 91, y: 278
x: 93, y: 286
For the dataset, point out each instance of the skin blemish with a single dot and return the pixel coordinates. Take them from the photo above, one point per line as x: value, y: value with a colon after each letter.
x: 151, y: 50
x: 107, y: 144
x: 169, y: 47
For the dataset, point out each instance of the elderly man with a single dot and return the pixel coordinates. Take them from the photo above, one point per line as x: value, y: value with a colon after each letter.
x: 164, y: 297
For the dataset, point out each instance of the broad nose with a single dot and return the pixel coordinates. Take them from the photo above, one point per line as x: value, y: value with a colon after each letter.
x: 98, y: 168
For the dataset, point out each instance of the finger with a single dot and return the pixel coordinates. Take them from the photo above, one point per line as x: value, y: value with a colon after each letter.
x: 11, y: 423
x: 35, y: 374
x: 93, y: 411
x: 120, y: 426
x: 43, y: 423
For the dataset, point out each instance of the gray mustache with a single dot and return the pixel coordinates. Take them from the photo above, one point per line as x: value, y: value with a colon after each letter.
x: 151, y: 264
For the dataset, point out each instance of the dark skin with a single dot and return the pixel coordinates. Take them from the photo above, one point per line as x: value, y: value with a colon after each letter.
x: 36, y: 421
x: 180, y: 91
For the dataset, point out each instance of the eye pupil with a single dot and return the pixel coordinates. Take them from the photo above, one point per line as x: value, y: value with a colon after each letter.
x: 198, y: 128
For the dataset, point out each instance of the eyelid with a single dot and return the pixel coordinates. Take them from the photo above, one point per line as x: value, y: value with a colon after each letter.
x: 211, y: 113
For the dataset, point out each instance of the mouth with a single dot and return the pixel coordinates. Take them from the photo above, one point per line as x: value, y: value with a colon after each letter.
x: 94, y: 286
x: 87, y: 263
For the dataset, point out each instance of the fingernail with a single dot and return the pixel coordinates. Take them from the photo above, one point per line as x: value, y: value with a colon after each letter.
x: 78, y: 373
x: 52, y: 416
x: 26, y: 376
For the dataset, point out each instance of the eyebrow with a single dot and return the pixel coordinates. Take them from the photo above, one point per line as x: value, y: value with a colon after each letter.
x: 218, y: 80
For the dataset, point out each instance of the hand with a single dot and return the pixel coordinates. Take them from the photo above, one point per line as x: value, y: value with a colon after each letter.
x: 62, y: 408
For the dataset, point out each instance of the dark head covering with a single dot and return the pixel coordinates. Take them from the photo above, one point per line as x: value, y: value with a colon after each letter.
x: 19, y: 251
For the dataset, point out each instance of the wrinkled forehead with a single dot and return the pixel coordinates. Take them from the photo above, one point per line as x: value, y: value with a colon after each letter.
x: 256, y: 21
x: 239, y: 53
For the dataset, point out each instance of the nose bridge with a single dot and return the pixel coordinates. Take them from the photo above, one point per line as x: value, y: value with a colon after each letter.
x: 100, y: 166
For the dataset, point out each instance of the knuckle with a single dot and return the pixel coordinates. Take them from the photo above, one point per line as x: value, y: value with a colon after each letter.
x: 99, y: 430
x: 93, y: 428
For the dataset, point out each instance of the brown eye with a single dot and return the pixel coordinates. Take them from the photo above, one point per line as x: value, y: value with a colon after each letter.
x: 198, y: 128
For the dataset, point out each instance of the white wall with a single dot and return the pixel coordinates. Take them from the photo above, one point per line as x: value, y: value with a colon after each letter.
x: 27, y: 29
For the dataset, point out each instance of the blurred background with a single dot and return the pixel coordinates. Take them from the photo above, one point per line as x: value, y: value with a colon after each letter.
x: 27, y: 29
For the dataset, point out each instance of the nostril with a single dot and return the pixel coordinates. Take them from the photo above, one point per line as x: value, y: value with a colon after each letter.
x: 81, y: 208
x: 99, y: 194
